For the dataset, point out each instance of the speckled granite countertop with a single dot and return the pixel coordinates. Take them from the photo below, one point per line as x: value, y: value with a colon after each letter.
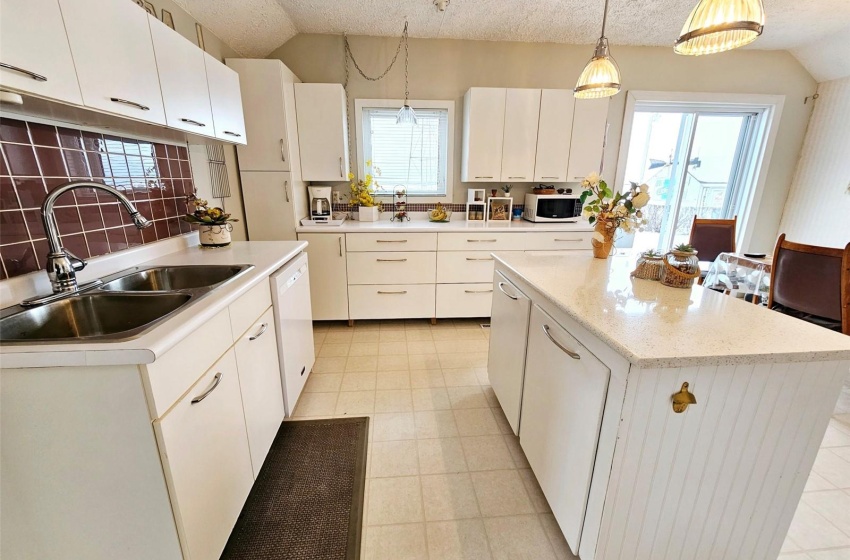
x: 655, y: 326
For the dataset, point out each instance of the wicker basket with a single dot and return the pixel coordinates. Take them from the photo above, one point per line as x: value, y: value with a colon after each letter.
x: 680, y: 269
x: 649, y: 268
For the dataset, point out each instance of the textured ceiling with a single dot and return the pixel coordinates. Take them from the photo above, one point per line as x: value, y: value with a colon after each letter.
x: 256, y: 27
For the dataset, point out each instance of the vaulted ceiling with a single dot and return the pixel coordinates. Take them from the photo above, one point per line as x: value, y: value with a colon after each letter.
x: 256, y: 27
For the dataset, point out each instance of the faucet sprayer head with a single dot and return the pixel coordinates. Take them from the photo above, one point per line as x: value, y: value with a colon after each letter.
x: 140, y: 221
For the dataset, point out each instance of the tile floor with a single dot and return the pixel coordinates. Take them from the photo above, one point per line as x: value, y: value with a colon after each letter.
x: 446, y: 478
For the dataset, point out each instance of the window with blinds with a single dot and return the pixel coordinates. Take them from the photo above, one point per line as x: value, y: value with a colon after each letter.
x: 410, y: 156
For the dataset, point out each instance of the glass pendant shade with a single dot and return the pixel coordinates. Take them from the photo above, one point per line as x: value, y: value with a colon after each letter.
x: 406, y: 115
x: 600, y: 77
x: 720, y: 25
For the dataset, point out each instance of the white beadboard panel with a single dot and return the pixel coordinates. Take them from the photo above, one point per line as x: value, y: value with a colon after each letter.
x: 819, y: 202
x: 722, y: 480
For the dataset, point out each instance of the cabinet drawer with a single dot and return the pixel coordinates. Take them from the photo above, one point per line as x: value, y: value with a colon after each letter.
x: 558, y: 240
x: 464, y: 266
x: 391, y: 242
x: 482, y: 241
x: 205, y: 457
x: 245, y: 310
x: 392, y: 268
x: 391, y: 301
x: 464, y: 300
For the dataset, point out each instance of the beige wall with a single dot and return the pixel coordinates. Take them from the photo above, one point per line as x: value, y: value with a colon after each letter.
x: 445, y: 69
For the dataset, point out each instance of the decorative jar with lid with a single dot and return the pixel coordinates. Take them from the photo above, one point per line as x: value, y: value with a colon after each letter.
x: 649, y: 266
x: 681, y: 267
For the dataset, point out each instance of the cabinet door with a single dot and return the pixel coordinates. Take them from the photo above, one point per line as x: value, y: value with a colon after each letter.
x: 113, y: 53
x: 259, y: 380
x: 226, y: 101
x: 553, y: 135
x: 265, y: 121
x: 205, y: 455
x: 269, y: 206
x: 329, y: 279
x: 562, y: 401
x: 590, y: 125
x: 322, y: 131
x: 34, y: 45
x: 483, y: 129
x: 522, y: 111
x: 183, y: 80
x: 508, y: 335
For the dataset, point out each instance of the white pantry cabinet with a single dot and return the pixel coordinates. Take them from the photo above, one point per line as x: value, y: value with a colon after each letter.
x: 183, y: 80
x: 273, y: 203
x: 483, y: 130
x: 322, y: 131
x: 519, y: 145
x: 554, y: 135
x: 34, y: 51
x: 589, y: 134
x: 114, y: 57
x: 225, y: 101
x: 329, y: 279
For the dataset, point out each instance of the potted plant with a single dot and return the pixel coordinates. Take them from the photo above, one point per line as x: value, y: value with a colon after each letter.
x: 610, y: 212
x: 363, y: 194
x: 214, y: 224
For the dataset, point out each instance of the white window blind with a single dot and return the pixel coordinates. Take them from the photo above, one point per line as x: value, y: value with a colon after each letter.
x: 410, y: 156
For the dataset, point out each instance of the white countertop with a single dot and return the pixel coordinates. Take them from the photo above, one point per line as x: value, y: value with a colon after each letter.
x: 266, y: 256
x: 653, y: 325
x: 424, y: 226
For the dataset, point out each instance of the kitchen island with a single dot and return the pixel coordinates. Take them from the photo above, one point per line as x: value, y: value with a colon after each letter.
x: 590, y: 395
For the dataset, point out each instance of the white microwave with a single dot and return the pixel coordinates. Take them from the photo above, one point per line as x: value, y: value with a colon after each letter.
x: 551, y: 208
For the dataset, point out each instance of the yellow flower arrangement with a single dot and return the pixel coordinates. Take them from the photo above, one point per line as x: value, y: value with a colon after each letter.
x: 364, y: 191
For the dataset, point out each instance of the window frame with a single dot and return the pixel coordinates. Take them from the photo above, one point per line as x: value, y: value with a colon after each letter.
x: 360, y: 104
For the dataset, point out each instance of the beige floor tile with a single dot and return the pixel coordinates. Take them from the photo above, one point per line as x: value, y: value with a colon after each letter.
x: 394, y: 458
x: 440, y: 456
x: 475, y: 422
x: 426, y: 378
x: 419, y: 335
x: 833, y: 505
x: 423, y: 361
x: 421, y: 346
x: 316, y: 349
x: 396, y: 542
x: 837, y: 554
x: 816, y: 482
x: 359, y: 381
x: 365, y: 335
x: 833, y: 468
x: 483, y: 376
x: 517, y: 453
x: 318, y: 337
x: 361, y: 363
x: 355, y: 402
x: 394, y: 400
x: 435, y: 424
x: 516, y: 537
x: 393, y: 380
x: 810, y: 530
x: 843, y: 452
x: 459, y: 334
x: 448, y: 496
x: 556, y: 537
x: 392, y: 363
x: 490, y: 395
x: 464, y: 539
x: 535, y: 494
x: 463, y: 377
x: 502, y: 421
x: 412, y: 324
x: 835, y: 437
x: 316, y: 404
x: 788, y: 545
x: 486, y: 453
x: 463, y: 360
x: 395, y: 500
x: 393, y: 426
x: 334, y: 350
x: 339, y: 336
x: 430, y: 399
x: 460, y: 346
x: 393, y: 348
x: 501, y: 493
x: 392, y: 335
x: 323, y: 383
x: 466, y: 397
x: 329, y: 365
x: 844, y: 421
x: 364, y: 348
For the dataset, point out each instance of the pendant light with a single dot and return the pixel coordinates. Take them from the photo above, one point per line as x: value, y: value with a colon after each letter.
x: 720, y: 25
x: 601, y: 76
x: 406, y: 115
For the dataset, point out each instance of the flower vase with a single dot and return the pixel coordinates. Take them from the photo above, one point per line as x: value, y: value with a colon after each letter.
x: 217, y: 235
x: 603, y: 239
x: 367, y: 213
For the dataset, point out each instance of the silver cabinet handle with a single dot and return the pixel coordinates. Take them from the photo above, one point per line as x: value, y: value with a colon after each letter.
x: 479, y: 259
x: 391, y: 241
x: 480, y: 177
x: 282, y: 153
x: 263, y: 328
x: 205, y: 394
x: 190, y: 121
x: 131, y: 103
x: 340, y: 167
x: 286, y: 189
x: 502, y: 289
x: 478, y: 291
x: 516, y: 177
x: 391, y: 260
x: 569, y: 353
x: 232, y: 134
x: 389, y: 293
x: 339, y: 239
x: 566, y: 240
x: 481, y: 240
x: 33, y: 75
x: 556, y: 178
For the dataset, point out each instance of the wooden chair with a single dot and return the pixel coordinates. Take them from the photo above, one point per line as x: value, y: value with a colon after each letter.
x: 710, y: 238
x: 812, y: 283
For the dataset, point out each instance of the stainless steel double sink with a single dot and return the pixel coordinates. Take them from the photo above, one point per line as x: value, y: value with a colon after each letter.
x: 124, y: 306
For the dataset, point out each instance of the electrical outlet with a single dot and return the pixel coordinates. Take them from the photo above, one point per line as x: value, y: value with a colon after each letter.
x: 336, y: 197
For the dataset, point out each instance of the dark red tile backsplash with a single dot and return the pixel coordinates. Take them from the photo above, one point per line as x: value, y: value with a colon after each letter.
x: 35, y: 158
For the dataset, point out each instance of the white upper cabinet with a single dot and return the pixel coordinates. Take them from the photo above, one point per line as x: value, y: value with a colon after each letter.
x: 522, y: 110
x: 226, y: 101
x: 590, y: 123
x: 322, y: 131
x: 34, y: 51
x: 183, y: 80
x: 553, y: 135
x: 113, y: 53
x: 483, y: 129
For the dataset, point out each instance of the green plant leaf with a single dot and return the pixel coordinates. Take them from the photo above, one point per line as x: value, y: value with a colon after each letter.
x: 591, y: 219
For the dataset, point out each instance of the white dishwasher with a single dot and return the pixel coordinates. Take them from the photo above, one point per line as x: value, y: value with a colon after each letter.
x: 294, y: 320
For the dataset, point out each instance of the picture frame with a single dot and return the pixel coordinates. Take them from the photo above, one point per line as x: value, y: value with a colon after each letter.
x: 499, y: 208
x: 167, y: 18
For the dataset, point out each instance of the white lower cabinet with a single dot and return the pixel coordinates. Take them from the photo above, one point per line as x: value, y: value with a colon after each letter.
x: 464, y: 300
x: 392, y: 301
x: 329, y: 278
x: 259, y: 380
x: 206, y: 459
x: 562, y: 402
x: 392, y: 268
